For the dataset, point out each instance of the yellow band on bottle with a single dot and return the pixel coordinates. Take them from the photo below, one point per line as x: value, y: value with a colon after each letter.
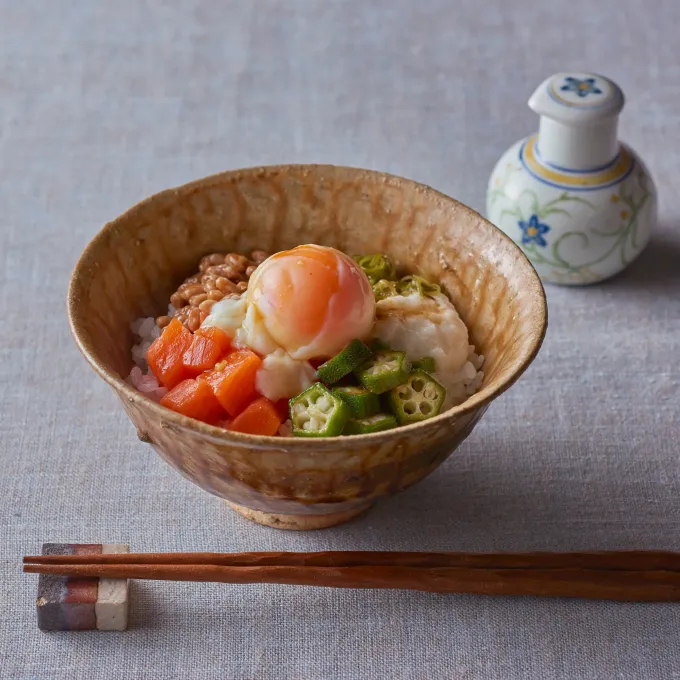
x: 575, y: 179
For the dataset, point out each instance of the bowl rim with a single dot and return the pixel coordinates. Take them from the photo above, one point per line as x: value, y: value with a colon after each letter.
x: 170, y: 418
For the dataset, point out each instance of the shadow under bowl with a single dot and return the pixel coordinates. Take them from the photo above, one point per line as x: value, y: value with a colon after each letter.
x: 136, y: 261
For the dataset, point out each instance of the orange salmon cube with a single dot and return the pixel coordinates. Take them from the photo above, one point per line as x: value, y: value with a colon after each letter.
x: 233, y: 380
x: 260, y: 417
x: 166, y: 352
x: 194, y: 398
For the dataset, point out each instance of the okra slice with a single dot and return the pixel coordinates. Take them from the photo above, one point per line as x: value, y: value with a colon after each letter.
x: 383, y: 289
x: 385, y: 370
x: 417, y: 284
x: 419, y: 398
x: 344, y: 363
x: 317, y: 412
x: 376, y: 267
x: 426, y: 364
x: 361, y: 402
x: 374, y: 423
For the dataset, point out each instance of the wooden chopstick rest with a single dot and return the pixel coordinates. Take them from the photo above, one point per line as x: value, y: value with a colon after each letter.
x: 82, y: 603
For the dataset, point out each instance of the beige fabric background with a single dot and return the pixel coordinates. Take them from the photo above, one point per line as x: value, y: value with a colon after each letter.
x: 102, y: 103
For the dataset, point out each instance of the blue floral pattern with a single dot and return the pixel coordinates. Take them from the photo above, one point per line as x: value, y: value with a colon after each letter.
x: 533, y: 231
x: 582, y: 87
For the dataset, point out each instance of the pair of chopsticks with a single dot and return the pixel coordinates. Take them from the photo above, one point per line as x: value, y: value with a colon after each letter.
x: 639, y: 576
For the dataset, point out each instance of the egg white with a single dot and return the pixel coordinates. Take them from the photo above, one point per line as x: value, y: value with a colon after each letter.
x: 280, y: 376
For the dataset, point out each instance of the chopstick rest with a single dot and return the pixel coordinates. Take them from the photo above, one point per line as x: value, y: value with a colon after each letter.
x: 65, y: 603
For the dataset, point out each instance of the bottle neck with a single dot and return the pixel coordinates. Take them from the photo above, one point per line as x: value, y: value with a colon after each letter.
x: 577, y: 147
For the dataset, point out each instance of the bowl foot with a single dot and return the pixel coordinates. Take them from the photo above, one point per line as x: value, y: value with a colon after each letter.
x: 299, y: 522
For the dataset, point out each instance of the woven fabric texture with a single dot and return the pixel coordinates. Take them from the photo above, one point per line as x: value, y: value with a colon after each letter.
x: 103, y: 103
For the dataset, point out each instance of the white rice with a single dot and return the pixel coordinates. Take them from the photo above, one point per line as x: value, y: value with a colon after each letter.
x: 146, y: 331
x: 466, y: 382
x: 286, y: 428
x: 141, y: 378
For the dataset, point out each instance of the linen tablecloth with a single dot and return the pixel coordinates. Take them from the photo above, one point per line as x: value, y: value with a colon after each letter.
x: 103, y: 103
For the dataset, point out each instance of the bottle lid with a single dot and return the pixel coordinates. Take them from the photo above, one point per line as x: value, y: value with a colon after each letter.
x: 577, y: 98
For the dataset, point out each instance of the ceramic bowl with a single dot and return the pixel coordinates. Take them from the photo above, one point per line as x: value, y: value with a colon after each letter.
x: 135, y: 262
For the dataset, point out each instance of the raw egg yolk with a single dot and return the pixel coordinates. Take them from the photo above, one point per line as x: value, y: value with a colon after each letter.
x: 312, y: 300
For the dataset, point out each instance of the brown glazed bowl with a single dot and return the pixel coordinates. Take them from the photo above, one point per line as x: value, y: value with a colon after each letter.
x: 135, y: 262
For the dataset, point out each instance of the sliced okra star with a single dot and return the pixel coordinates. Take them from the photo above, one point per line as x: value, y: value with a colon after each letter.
x: 376, y: 267
x: 317, y: 412
x: 419, y: 398
x: 426, y: 364
x: 374, y: 423
x: 385, y: 370
x: 383, y: 289
x: 361, y: 402
x: 344, y: 363
x: 417, y: 284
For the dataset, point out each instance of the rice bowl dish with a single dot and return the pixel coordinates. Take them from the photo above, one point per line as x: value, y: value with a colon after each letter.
x: 308, y: 342
x: 134, y: 267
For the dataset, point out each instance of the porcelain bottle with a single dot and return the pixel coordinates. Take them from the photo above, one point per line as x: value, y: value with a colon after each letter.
x: 581, y: 204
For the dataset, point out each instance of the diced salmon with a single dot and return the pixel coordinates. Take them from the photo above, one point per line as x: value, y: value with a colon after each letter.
x: 194, y: 398
x: 233, y: 380
x: 166, y: 352
x: 260, y: 417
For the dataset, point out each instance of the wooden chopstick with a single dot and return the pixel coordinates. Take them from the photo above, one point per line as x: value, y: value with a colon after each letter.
x: 624, y: 560
x: 628, y: 575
